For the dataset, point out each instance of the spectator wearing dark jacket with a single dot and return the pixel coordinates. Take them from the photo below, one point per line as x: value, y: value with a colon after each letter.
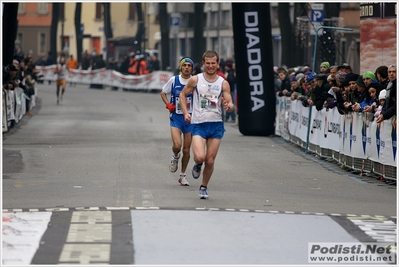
x: 123, y: 68
x: 389, y: 108
x: 154, y: 64
x: 10, y: 77
x: 231, y: 79
x: 363, y: 94
x: 285, y: 86
x: 381, y: 74
x: 321, y: 91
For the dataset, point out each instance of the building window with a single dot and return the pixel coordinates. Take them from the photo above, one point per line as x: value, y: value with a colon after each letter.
x: 42, y: 43
x: 99, y: 10
x: 226, y: 18
x: 215, y: 43
x: 214, y: 19
x: 42, y: 8
x: 21, y: 8
x: 132, y: 11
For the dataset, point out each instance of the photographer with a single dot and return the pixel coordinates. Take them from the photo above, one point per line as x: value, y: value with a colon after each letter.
x: 10, y: 77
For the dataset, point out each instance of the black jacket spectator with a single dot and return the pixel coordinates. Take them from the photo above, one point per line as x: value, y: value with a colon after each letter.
x: 153, y: 64
x: 389, y: 109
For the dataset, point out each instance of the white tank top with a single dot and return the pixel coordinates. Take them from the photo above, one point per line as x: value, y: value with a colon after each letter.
x: 62, y: 71
x: 207, y: 100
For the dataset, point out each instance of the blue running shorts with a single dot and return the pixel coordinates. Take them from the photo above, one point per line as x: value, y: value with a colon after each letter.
x: 177, y: 121
x: 209, y: 130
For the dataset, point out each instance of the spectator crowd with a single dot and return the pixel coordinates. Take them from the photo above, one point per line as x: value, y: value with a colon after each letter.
x: 372, y: 92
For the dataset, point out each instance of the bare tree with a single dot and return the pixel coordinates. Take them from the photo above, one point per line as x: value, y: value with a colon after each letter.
x: 300, y: 10
x: 78, y: 32
x: 164, y: 22
x: 107, y: 21
x: 199, y: 40
x: 10, y: 26
x: 327, y: 47
x: 140, y: 29
x: 291, y: 54
x: 286, y: 31
x: 332, y: 9
x: 53, y: 30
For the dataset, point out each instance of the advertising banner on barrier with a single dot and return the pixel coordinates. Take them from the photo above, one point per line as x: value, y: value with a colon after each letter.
x: 4, y: 120
x: 358, y: 147
x: 331, y: 129
x: 283, y: 117
x: 387, y: 142
x: 294, y: 122
x: 352, y: 134
x: 316, y: 126
x: 149, y: 82
x: 10, y: 105
x: 20, y: 104
x: 373, y: 150
x: 304, y: 121
x: 346, y: 130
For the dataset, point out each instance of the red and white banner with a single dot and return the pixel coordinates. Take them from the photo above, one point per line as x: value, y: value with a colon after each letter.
x: 148, y: 82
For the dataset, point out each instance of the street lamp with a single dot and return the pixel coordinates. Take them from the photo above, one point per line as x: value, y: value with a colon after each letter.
x: 313, y: 69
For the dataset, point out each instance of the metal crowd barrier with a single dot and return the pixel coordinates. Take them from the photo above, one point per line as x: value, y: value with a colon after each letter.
x: 362, y: 165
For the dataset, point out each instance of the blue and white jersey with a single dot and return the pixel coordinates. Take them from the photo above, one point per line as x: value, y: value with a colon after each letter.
x: 173, y: 87
x: 207, y: 100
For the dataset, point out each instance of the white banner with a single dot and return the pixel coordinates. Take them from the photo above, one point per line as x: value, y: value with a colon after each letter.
x: 4, y: 120
x: 10, y: 105
x: 283, y: 111
x: 148, y: 82
x: 304, y: 122
x: 20, y: 104
x: 295, y: 118
x: 387, y: 142
x: 332, y: 129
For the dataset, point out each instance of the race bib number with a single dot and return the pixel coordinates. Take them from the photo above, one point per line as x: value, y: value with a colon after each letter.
x: 189, y: 101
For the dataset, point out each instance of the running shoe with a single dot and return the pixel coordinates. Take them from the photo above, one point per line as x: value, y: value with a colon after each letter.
x: 182, y: 180
x: 196, y: 171
x: 203, y: 194
x: 174, y: 163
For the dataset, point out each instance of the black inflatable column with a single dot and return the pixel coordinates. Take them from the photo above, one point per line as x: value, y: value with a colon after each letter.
x: 256, y: 100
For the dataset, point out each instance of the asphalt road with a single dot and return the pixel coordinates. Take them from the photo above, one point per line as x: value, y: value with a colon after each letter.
x: 104, y: 150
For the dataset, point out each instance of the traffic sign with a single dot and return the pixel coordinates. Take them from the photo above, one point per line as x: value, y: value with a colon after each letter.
x: 317, y: 13
x: 174, y: 23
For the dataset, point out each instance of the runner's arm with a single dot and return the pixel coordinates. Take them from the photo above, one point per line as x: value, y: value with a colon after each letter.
x: 226, y: 98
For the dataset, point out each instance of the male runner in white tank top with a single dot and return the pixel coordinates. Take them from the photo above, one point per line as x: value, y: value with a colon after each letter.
x: 61, y: 70
x: 210, y: 93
